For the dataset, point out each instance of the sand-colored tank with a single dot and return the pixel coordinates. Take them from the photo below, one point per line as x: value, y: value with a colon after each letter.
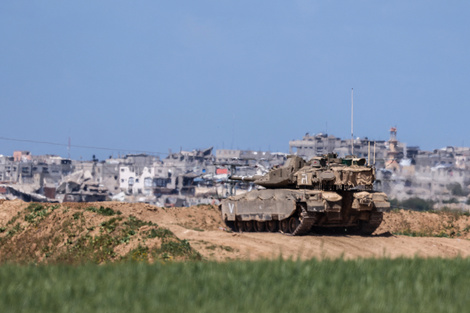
x: 300, y: 196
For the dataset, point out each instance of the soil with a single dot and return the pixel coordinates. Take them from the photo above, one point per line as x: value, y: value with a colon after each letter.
x: 401, y: 234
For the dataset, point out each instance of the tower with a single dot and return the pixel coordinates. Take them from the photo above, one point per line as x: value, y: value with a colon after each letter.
x: 392, y: 152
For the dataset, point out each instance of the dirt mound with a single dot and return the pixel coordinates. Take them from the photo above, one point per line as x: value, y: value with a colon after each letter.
x: 79, y: 233
x: 112, y: 231
x: 451, y: 224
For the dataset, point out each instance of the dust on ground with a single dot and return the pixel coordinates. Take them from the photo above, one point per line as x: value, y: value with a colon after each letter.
x: 425, y: 234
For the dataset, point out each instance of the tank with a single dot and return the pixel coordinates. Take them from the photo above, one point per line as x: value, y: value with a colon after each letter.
x: 300, y: 197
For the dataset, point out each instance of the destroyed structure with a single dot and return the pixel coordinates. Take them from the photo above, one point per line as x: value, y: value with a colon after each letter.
x: 181, y: 179
x: 195, y: 177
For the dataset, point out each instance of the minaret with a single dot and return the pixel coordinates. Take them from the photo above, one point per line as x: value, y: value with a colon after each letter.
x: 393, y: 142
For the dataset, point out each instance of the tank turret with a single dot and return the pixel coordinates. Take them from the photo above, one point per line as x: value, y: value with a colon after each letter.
x: 323, y: 173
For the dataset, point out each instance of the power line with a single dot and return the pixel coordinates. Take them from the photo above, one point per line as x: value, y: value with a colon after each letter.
x: 77, y: 146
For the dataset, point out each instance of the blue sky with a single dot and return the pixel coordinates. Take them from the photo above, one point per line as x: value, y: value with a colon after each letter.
x: 159, y: 75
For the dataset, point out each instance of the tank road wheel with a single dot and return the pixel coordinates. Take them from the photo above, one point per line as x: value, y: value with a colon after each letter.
x: 259, y: 226
x: 238, y: 226
x: 284, y: 225
x: 271, y: 226
x: 248, y: 226
x: 294, y: 222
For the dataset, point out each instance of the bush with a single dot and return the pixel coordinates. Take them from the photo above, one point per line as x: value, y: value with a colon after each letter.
x: 457, y: 190
x: 103, y: 211
x: 451, y: 200
x: 418, y: 204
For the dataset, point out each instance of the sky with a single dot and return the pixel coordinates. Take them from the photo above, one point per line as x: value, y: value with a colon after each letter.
x: 150, y: 76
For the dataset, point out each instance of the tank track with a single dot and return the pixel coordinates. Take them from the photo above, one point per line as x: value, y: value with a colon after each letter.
x: 306, y: 224
x: 307, y: 221
x: 373, y: 223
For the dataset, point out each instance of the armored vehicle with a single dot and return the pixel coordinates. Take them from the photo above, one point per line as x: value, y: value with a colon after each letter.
x: 300, y: 196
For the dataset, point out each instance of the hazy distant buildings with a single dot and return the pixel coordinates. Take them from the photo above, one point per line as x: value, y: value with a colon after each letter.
x: 321, y: 144
x: 199, y: 176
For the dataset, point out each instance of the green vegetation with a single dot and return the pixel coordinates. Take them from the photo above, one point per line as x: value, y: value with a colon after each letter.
x: 452, y: 212
x: 424, y: 233
x: 104, y: 211
x: 457, y: 190
x: 450, y: 201
x: 117, y: 231
x: 417, y: 204
x: 159, y: 232
x: 49, y: 234
x: 366, y: 285
x: 37, y: 212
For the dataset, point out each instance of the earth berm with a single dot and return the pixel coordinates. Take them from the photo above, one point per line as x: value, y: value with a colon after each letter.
x: 112, y: 231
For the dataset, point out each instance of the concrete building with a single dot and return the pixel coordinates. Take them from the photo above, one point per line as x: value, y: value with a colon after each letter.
x: 321, y: 144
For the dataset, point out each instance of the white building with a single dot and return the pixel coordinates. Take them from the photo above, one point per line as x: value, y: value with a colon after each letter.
x: 136, y: 183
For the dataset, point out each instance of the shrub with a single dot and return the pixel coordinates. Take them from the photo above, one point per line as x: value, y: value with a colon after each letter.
x: 418, y: 204
x: 457, y: 190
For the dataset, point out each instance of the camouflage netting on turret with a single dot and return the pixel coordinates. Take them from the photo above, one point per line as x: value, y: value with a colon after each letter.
x: 354, y: 176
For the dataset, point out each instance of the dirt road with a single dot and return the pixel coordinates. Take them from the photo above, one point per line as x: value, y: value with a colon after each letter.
x: 220, y: 245
x: 202, y: 227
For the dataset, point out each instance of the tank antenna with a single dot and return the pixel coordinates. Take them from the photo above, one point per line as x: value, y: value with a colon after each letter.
x: 352, y: 122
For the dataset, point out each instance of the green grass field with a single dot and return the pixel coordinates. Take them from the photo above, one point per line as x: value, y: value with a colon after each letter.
x: 368, y: 285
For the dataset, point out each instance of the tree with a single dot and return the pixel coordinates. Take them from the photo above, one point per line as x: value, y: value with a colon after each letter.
x: 456, y: 189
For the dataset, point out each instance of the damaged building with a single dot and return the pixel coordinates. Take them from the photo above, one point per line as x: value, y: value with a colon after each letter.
x: 320, y: 144
x: 193, y: 177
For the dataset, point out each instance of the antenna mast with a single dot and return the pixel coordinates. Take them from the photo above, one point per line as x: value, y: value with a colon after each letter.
x: 352, y: 122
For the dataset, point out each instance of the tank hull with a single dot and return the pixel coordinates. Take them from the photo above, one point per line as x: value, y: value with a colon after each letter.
x: 299, y: 211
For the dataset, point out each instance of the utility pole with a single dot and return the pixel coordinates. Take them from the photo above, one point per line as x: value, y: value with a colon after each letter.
x: 352, y: 121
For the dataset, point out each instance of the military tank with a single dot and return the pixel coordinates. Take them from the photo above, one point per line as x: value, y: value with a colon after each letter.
x: 300, y: 197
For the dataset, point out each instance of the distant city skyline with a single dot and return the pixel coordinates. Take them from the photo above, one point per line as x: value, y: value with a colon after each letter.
x: 154, y: 76
x: 106, y: 152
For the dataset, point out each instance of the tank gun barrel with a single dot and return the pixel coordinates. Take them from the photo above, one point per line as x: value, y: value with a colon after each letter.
x: 244, y: 178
